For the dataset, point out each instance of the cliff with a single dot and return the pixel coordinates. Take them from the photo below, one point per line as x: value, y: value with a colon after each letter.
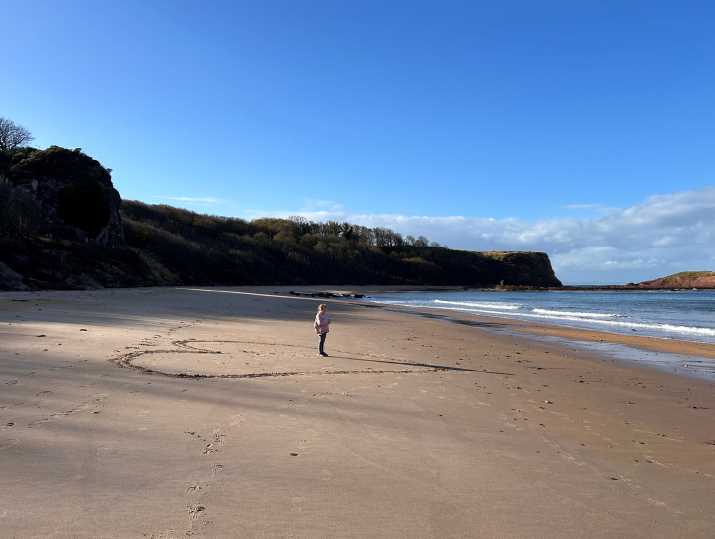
x: 60, y: 194
x: 684, y: 279
x: 63, y: 225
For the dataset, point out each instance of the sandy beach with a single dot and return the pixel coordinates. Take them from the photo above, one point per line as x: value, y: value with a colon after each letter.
x: 164, y: 412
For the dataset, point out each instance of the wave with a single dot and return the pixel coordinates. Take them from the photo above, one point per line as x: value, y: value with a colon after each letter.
x: 661, y: 328
x: 576, y: 313
x: 399, y: 302
x: 483, y: 305
x: 654, y: 327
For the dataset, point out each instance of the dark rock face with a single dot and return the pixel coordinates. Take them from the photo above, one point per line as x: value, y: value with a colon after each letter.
x: 10, y: 279
x: 72, y: 193
x: 523, y: 268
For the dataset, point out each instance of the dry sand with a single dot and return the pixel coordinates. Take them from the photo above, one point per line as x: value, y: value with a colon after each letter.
x: 167, y: 413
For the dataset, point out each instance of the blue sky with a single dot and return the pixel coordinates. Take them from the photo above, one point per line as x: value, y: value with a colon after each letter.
x: 524, y: 116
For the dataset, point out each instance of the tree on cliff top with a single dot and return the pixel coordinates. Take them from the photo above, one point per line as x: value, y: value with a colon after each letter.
x: 12, y: 136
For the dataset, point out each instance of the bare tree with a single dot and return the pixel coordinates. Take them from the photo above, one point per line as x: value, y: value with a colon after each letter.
x: 346, y: 231
x: 12, y: 136
x: 421, y: 242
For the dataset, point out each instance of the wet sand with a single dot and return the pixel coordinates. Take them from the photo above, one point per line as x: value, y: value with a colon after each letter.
x: 668, y: 346
x: 167, y: 413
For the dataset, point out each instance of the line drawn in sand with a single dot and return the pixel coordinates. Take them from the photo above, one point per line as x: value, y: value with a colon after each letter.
x: 191, y: 346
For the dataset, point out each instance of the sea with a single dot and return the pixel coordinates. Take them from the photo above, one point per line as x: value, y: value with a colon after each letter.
x: 682, y: 314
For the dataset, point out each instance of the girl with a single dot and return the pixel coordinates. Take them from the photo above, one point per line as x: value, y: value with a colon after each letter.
x: 322, y: 326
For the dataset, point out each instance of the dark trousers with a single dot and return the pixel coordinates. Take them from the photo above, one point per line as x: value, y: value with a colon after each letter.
x: 322, y: 342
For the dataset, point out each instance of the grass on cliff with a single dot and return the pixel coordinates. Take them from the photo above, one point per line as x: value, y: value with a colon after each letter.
x: 682, y: 278
x: 197, y: 248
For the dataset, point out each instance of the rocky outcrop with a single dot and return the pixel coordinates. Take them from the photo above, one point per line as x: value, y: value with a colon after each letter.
x: 10, y: 279
x: 684, y: 279
x: 60, y: 194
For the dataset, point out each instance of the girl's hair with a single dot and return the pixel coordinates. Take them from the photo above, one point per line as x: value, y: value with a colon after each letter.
x: 322, y: 306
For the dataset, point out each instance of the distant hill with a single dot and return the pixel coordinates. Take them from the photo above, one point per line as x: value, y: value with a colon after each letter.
x: 684, y: 279
x: 63, y: 225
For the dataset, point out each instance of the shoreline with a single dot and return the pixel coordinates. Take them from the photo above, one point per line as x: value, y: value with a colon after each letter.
x: 676, y: 349
x: 646, y: 342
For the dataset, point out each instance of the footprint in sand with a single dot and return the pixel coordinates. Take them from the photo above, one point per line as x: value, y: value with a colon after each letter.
x: 215, y: 444
x: 195, y: 510
x: 193, y: 489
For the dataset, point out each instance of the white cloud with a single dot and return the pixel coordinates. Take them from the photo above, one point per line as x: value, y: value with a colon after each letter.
x: 192, y: 200
x: 585, y: 207
x: 313, y: 209
x: 663, y: 234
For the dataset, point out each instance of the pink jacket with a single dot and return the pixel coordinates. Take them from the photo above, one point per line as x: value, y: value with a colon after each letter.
x: 322, y: 323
